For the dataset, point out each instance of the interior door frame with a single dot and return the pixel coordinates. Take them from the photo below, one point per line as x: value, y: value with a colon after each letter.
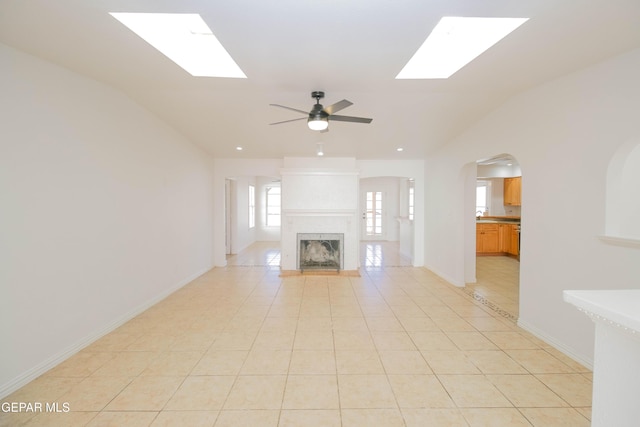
x: 228, y: 216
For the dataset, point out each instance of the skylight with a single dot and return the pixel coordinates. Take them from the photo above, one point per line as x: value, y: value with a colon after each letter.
x: 453, y: 43
x: 185, y: 39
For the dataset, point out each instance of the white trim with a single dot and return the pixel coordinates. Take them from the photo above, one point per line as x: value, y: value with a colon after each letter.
x: 450, y: 280
x: 33, y: 373
x: 313, y: 212
x: 567, y: 351
x: 620, y: 241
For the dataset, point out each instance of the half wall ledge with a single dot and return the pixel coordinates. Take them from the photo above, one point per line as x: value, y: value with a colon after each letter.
x: 621, y: 241
x: 616, y: 365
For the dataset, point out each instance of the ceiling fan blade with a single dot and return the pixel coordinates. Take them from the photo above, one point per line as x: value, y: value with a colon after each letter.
x: 349, y: 119
x: 337, y: 106
x: 287, y: 121
x: 289, y: 108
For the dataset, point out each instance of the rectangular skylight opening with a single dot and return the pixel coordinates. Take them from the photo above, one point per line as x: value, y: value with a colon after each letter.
x: 454, y: 42
x: 185, y: 39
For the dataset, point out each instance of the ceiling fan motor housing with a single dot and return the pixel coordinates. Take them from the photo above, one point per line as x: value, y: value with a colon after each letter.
x: 317, y: 112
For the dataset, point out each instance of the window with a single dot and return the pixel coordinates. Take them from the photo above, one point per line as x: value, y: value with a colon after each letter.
x: 252, y: 206
x: 482, y: 200
x: 273, y: 206
x: 411, y: 194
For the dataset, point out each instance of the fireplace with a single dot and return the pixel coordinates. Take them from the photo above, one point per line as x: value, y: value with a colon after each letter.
x: 320, y: 251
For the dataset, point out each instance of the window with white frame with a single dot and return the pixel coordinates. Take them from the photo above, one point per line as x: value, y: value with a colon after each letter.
x: 252, y: 206
x: 411, y: 198
x: 273, y: 206
x: 483, y: 191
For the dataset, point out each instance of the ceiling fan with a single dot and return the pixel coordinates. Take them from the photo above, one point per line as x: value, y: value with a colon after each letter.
x: 318, y: 118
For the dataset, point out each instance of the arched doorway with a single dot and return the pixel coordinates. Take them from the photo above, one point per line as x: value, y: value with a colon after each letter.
x: 495, y: 202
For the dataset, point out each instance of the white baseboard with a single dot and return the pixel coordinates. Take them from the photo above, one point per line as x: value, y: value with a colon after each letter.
x: 569, y: 352
x: 33, y: 373
x: 445, y: 277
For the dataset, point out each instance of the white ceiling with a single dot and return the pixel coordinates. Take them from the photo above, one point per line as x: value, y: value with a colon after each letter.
x: 350, y: 49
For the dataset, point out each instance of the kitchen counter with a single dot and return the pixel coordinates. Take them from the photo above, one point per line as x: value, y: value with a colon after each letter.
x: 498, y: 220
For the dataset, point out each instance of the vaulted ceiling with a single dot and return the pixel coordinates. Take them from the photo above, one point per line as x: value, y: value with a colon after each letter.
x: 351, y: 49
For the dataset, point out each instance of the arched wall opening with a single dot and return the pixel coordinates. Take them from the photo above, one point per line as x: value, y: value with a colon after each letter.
x: 623, y: 193
x: 489, y: 203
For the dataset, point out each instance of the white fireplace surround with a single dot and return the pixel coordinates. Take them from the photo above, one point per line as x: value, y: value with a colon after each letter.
x: 322, y: 201
x: 319, y: 222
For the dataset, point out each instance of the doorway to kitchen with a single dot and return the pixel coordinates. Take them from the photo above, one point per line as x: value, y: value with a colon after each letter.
x: 495, y: 251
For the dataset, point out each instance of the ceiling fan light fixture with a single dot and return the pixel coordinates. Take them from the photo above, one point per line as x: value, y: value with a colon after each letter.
x: 318, y: 123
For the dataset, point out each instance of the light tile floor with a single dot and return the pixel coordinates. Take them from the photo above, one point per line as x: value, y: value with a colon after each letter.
x: 497, y: 283
x: 242, y: 346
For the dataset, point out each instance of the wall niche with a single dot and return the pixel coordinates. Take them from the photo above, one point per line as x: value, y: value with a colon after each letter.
x: 623, y: 196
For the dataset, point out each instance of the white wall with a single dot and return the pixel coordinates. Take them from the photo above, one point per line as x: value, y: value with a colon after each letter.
x: 105, y: 210
x: 563, y: 134
x: 242, y: 236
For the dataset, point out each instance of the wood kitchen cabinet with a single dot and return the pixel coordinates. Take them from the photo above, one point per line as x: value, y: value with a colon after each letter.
x: 505, y: 237
x: 487, y: 238
x: 512, y: 191
x: 497, y: 239
x: 509, y: 239
x: 514, y: 248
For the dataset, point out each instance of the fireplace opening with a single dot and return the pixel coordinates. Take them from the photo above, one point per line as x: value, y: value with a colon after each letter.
x: 320, y: 251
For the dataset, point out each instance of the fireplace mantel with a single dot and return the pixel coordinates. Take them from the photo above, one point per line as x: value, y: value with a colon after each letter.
x: 318, y: 212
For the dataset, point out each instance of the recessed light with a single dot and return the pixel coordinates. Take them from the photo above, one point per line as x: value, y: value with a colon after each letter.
x: 399, y: 149
x: 185, y: 39
x: 239, y: 148
x: 454, y: 42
